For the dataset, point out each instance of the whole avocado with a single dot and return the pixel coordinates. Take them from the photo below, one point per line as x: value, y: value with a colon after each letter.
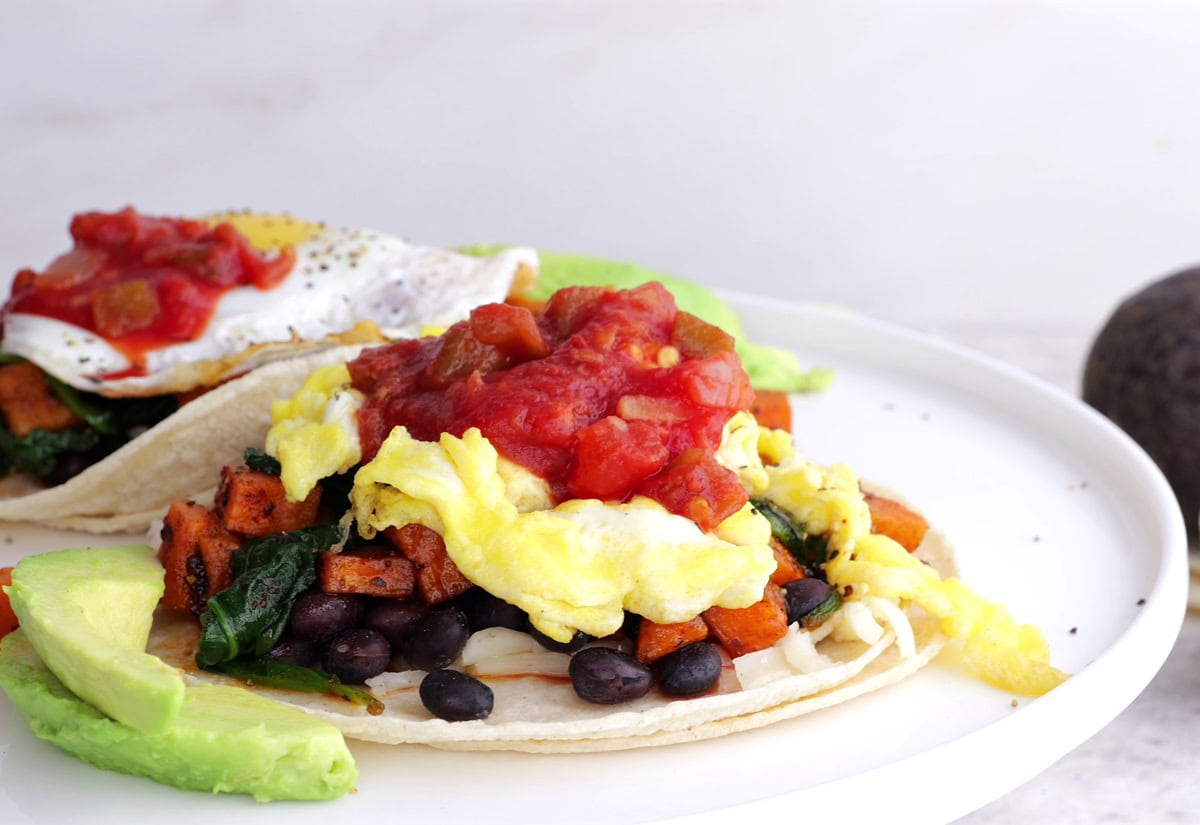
x: 1143, y: 373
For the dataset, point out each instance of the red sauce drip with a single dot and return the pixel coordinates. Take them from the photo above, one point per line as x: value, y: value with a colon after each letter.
x: 143, y: 283
x: 588, y: 394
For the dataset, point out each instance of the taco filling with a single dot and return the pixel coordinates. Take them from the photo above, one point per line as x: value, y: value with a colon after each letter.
x: 548, y: 516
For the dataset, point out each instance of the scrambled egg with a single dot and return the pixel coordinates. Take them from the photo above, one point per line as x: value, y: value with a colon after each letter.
x: 577, y: 566
x: 314, y: 435
x: 827, y: 500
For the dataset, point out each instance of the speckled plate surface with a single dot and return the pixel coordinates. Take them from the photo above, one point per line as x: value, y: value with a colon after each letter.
x: 1052, y: 510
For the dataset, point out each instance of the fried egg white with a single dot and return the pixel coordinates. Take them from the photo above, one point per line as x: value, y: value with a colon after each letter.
x: 347, y: 286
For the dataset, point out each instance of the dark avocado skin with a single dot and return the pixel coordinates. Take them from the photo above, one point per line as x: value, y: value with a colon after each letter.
x: 1143, y: 373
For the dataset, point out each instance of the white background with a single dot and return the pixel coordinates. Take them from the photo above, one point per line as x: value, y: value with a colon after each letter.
x: 998, y: 173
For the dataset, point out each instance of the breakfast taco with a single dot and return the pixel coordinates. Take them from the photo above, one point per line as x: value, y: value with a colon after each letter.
x: 140, y: 361
x: 559, y: 528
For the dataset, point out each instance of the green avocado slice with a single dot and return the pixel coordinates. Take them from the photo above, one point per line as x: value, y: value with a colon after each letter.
x: 87, y: 612
x: 224, y: 739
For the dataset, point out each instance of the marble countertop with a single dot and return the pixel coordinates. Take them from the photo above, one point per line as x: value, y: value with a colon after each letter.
x: 1000, y: 174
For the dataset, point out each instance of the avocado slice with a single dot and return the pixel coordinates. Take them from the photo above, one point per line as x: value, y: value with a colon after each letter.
x: 224, y: 739
x: 87, y: 612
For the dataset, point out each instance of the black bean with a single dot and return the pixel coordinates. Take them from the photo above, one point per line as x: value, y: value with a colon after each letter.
x: 357, y: 654
x: 690, y: 670
x: 455, y: 696
x: 394, y: 618
x: 803, y: 596
x: 294, y: 651
x: 485, y: 610
x: 578, y: 640
x: 435, y: 639
x: 607, y: 676
x: 317, y: 616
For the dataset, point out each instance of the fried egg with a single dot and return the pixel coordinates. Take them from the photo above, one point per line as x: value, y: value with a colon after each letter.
x: 347, y: 286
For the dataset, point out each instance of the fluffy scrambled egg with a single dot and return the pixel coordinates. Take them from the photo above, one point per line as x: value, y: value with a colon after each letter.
x: 577, y: 566
x: 828, y: 500
x: 314, y: 434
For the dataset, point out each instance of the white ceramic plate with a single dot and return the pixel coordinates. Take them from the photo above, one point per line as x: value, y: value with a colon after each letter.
x: 1054, y: 512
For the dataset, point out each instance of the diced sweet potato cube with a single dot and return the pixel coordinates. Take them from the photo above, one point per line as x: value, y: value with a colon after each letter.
x: 787, y: 569
x: 369, y: 571
x: 125, y: 307
x: 892, y: 519
x: 216, y: 552
x: 27, y: 402
x: 438, y: 577
x: 253, y: 503
x: 657, y: 640
x: 772, y: 409
x: 747, y: 629
x: 195, y: 552
x: 697, y: 338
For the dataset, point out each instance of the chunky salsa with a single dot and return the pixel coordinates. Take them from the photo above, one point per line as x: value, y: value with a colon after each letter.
x: 142, y: 282
x: 604, y: 394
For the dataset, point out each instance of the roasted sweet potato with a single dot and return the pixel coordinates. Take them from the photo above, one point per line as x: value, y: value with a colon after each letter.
x: 747, y: 629
x: 27, y: 402
x: 369, y: 571
x: 8, y: 619
x: 892, y: 519
x: 252, y: 503
x: 438, y: 577
x: 772, y: 409
x: 787, y: 569
x: 195, y: 552
x: 657, y: 640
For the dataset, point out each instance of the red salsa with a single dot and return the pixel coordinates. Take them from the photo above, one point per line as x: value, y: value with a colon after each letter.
x: 141, y: 282
x: 605, y: 394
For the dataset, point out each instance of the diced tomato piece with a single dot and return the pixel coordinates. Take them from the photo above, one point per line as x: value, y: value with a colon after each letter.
x: 892, y: 519
x: 745, y: 630
x: 124, y: 307
x: 570, y: 308
x: 460, y: 353
x: 612, y: 455
x: 696, y: 486
x: 513, y: 330
x: 717, y: 381
x: 438, y: 577
x: 657, y: 640
x: 696, y: 338
x: 8, y: 619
